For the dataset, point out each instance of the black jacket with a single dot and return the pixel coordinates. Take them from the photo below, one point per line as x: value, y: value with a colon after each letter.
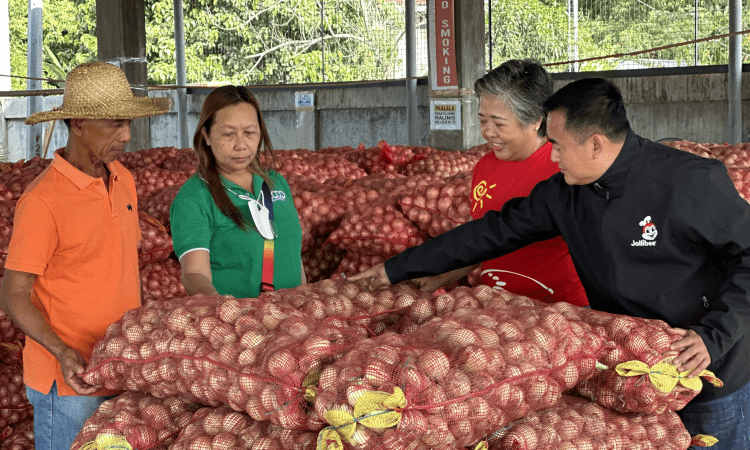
x: 694, y: 273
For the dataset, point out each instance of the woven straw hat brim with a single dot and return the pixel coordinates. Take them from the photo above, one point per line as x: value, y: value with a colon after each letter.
x: 132, y: 108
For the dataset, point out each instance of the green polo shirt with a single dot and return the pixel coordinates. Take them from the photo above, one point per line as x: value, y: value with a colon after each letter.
x: 237, y: 254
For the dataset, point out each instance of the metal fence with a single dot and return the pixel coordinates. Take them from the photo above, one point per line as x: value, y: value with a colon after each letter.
x: 299, y: 41
x: 555, y: 31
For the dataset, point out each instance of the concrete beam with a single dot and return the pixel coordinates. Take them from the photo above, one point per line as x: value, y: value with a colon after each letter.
x: 121, y: 40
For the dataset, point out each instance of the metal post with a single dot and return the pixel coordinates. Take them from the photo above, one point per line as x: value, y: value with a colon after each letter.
x: 695, y: 46
x: 411, y: 73
x: 5, y: 84
x: 179, y: 45
x: 489, y: 38
x: 34, y: 70
x: 575, y: 35
x: 734, y: 92
x: 322, y: 42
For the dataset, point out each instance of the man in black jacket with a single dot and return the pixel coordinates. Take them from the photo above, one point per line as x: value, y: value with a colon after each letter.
x: 654, y: 232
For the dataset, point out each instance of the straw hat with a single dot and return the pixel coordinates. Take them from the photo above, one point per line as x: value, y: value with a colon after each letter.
x: 100, y: 91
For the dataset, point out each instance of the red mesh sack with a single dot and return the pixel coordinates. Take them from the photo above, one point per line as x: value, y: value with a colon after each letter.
x: 162, y: 280
x: 576, y: 423
x: 734, y: 156
x: 6, y: 229
x: 441, y: 205
x: 455, y: 379
x: 340, y: 151
x: 347, y: 304
x: 11, y: 353
x: 14, y: 406
x: 320, y: 212
x: 5, y: 193
x: 185, y: 160
x: 443, y: 164
x: 632, y: 339
x: 152, y: 179
x: 150, y: 157
x: 18, y: 437
x: 142, y: 420
x: 313, y: 165
x: 158, y: 204
x: 353, y: 263
x: 741, y: 180
x: 378, y: 229
x: 8, y: 331
x: 250, y: 354
x: 16, y: 177
x: 8, y: 210
x: 320, y: 262
x: 703, y: 150
x: 224, y: 428
x: 156, y: 243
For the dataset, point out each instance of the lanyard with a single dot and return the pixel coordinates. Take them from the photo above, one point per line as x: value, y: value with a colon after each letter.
x: 265, y: 229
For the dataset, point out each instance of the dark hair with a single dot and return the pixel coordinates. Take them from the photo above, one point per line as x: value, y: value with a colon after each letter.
x: 591, y: 105
x: 524, y: 85
x: 218, y: 99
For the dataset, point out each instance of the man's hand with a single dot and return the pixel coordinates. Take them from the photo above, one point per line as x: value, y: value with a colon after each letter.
x: 73, y: 366
x: 693, y: 355
x: 376, y: 275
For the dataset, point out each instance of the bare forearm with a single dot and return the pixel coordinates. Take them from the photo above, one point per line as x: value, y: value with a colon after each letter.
x: 196, y: 283
x: 30, y: 320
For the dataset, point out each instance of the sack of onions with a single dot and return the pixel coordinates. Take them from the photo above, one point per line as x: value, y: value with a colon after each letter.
x: 733, y: 156
x: 223, y: 428
x: 156, y: 243
x: 639, y: 378
x: 702, y: 150
x: 11, y: 353
x: 150, y: 157
x: 21, y: 175
x: 158, y: 204
x: 141, y: 420
x: 741, y: 180
x: 378, y: 229
x: 353, y: 263
x: 9, y: 333
x: 152, y: 179
x: 439, y: 206
x: 18, y: 437
x: 441, y: 163
x: 162, y: 280
x: 322, y: 213
x: 454, y: 380
x: 577, y: 423
x: 320, y: 262
x: 250, y: 354
x: 6, y: 230
x: 14, y: 406
x: 185, y: 161
x: 350, y: 304
x: 313, y: 165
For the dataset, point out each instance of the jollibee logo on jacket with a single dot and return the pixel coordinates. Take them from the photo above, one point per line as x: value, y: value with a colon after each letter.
x: 278, y: 196
x: 649, y: 234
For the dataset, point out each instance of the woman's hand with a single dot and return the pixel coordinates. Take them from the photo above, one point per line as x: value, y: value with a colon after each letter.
x: 433, y: 283
x: 376, y: 275
x: 196, y: 273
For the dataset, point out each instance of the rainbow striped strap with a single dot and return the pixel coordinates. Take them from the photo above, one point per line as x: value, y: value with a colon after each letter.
x: 266, y: 283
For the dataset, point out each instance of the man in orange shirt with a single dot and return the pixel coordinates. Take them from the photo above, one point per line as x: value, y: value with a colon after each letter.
x: 72, y: 266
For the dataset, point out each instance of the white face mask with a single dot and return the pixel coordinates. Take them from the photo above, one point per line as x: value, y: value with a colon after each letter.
x: 260, y: 216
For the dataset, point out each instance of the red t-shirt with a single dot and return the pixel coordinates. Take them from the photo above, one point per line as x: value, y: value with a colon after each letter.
x: 542, y: 270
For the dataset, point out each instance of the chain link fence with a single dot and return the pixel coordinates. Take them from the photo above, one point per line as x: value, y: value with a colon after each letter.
x: 557, y: 31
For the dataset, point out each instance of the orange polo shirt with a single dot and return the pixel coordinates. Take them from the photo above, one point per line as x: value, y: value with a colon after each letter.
x: 80, y: 240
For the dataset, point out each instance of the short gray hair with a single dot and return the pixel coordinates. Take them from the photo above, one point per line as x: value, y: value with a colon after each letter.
x: 524, y: 85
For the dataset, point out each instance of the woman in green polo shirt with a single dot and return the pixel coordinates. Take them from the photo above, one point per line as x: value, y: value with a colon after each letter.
x: 220, y: 240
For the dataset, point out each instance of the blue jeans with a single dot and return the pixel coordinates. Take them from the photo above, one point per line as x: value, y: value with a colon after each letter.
x: 59, y: 419
x: 727, y: 419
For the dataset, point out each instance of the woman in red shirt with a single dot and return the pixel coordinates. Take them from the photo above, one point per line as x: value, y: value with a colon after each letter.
x: 518, y: 157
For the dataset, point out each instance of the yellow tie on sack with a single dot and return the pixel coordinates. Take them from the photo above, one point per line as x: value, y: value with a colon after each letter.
x: 373, y: 409
x: 664, y: 376
x: 701, y: 440
x: 107, y: 442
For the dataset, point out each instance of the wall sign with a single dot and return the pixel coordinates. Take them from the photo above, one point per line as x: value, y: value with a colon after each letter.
x: 443, y: 45
x: 304, y: 100
x: 445, y: 114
